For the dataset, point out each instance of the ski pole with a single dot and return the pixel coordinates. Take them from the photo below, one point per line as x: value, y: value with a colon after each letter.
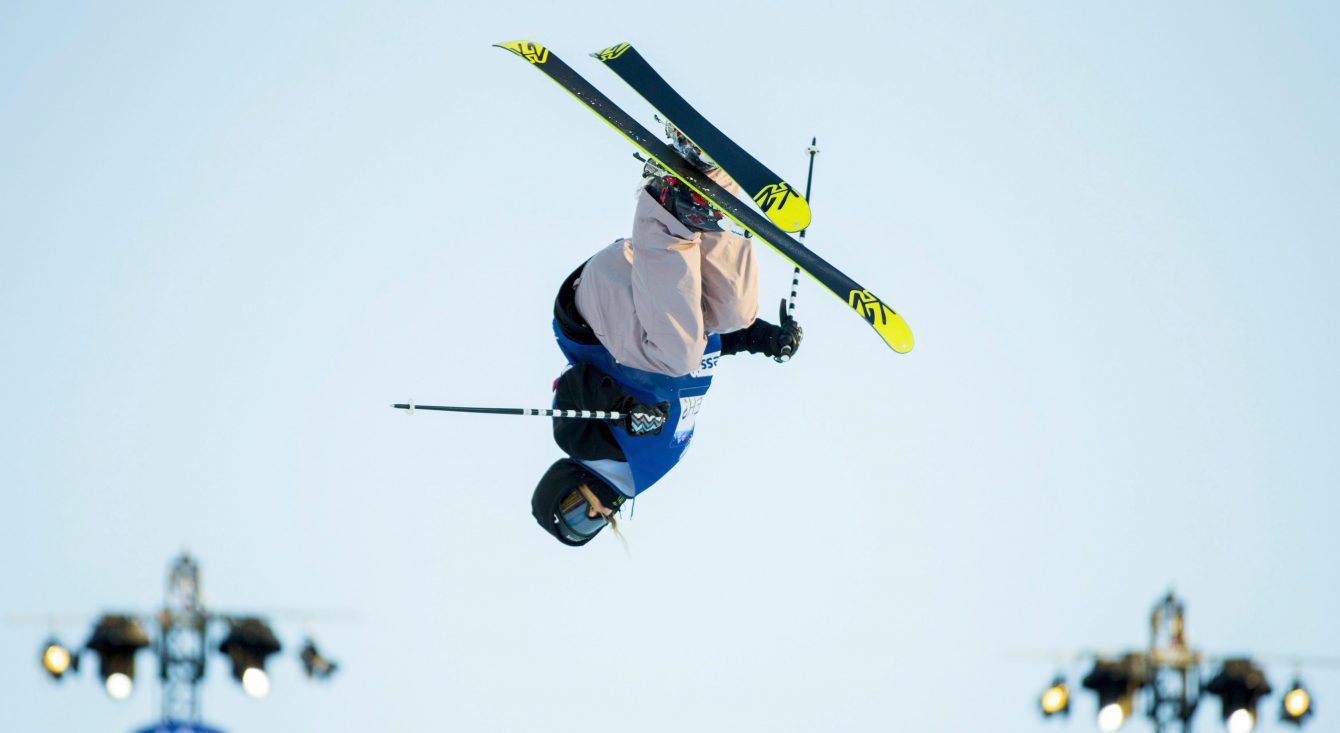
x: 410, y: 407
x: 811, y: 151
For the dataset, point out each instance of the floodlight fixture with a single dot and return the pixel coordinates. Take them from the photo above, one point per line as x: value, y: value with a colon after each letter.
x: 1239, y: 685
x: 1115, y: 682
x: 250, y: 641
x: 1241, y: 720
x: 1055, y: 700
x: 255, y: 682
x: 116, y: 638
x: 1297, y: 704
x: 57, y: 659
x: 1112, y: 716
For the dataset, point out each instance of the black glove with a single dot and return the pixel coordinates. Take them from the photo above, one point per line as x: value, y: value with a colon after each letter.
x: 779, y: 342
x: 639, y: 419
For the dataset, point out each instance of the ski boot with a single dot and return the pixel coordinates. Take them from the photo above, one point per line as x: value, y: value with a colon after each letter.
x: 692, y: 210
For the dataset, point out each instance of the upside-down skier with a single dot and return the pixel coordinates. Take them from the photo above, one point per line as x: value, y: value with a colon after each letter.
x: 642, y: 324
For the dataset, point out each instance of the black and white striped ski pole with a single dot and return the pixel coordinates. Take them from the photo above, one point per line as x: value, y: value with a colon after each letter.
x: 811, y: 151
x: 410, y: 407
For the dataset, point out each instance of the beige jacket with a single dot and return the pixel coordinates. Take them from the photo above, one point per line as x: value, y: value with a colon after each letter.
x: 652, y: 299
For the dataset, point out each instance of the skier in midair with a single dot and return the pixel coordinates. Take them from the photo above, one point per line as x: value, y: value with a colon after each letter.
x: 642, y: 324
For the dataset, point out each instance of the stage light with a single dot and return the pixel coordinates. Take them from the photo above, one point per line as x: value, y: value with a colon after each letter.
x: 249, y: 643
x: 116, y: 639
x: 57, y: 660
x: 1115, y: 681
x: 1297, y: 704
x: 314, y: 664
x: 1055, y: 700
x: 1241, y: 721
x: 1239, y: 685
x: 255, y: 682
x: 119, y: 685
x: 1111, y: 717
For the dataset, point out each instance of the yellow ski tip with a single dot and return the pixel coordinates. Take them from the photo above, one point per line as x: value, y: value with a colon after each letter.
x: 792, y: 216
x: 528, y: 50
x: 887, y: 323
x: 784, y: 206
x: 896, y: 334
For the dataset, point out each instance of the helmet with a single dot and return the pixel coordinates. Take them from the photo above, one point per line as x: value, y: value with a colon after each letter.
x: 560, y: 507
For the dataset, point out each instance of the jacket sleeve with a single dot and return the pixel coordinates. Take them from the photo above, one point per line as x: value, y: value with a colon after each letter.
x: 729, y: 274
x: 686, y: 283
x: 584, y: 387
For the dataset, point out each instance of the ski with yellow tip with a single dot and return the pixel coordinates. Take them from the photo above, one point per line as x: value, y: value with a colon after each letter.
x: 887, y: 323
x: 779, y: 200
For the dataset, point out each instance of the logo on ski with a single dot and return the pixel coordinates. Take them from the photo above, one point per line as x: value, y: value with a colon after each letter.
x: 611, y: 53
x: 887, y: 323
x: 532, y: 52
x: 774, y: 196
x: 872, y: 309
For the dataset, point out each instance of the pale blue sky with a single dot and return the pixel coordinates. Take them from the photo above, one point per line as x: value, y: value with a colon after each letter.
x: 231, y: 235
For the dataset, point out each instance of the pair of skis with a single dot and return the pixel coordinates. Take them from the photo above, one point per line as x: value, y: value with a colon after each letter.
x: 785, y: 209
x: 777, y: 198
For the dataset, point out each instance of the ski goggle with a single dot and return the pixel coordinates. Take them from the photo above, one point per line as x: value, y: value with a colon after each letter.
x: 576, y: 522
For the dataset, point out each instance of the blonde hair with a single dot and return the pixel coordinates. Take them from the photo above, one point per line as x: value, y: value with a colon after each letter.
x: 604, y: 511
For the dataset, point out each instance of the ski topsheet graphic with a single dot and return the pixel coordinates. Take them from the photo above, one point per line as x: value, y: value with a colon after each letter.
x: 887, y: 323
x: 778, y: 199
